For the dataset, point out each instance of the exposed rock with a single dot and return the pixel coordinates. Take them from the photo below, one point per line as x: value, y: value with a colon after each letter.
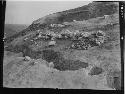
x: 52, y: 43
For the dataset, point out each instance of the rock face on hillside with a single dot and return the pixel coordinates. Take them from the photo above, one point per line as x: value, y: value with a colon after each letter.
x: 76, y: 48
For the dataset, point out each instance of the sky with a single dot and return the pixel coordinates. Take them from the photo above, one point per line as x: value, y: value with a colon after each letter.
x: 25, y: 12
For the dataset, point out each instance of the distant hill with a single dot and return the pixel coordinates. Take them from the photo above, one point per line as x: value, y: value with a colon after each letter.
x: 11, y: 29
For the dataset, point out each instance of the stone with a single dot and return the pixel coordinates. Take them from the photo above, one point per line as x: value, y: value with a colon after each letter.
x: 52, y: 43
x: 51, y: 65
x: 27, y: 58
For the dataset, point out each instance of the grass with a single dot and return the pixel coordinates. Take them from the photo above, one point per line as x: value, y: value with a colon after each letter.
x: 11, y: 29
x: 25, y: 50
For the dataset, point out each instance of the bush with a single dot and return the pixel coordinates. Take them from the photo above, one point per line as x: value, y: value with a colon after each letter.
x: 95, y: 71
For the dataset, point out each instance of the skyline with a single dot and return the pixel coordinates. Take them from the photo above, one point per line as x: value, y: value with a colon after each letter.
x: 25, y: 12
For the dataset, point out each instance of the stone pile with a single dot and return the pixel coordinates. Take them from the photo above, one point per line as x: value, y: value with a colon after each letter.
x: 87, y: 40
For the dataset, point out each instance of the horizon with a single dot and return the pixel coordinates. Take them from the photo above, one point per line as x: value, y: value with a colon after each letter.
x: 16, y: 24
x: 24, y: 12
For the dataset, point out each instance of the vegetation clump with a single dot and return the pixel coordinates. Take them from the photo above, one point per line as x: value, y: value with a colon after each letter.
x: 95, y: 71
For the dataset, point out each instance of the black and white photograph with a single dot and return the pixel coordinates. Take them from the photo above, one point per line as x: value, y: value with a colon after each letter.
x: 62, y: 45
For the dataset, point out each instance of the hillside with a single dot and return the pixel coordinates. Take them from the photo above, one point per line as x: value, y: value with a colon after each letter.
x: 57, y: 52
x: 11, y: 29
x: 92, y: 10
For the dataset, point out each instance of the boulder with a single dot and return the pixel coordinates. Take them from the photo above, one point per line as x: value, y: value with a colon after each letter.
x: 52, y: 43
x: 27, y: 58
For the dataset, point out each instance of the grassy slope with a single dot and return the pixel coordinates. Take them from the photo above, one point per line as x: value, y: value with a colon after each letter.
x: 11, y: 29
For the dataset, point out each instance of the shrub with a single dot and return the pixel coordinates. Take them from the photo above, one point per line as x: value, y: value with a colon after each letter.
x: 95, y: 71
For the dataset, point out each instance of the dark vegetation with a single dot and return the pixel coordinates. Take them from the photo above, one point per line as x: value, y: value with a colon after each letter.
x: 64, y: 65
x: 60, y: 63
x: 51, y: 56
x: 96, y: 70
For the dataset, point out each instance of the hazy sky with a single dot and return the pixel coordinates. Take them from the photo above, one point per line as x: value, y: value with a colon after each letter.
x: 25, y: 12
